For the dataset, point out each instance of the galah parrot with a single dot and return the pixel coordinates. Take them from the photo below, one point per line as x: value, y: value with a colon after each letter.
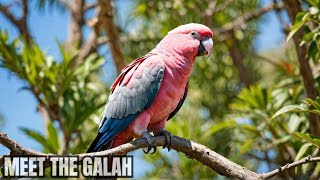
x: 151, y: 89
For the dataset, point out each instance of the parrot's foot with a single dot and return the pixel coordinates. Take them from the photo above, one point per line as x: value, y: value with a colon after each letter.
x: 151, y: 142
x: 168, y: 137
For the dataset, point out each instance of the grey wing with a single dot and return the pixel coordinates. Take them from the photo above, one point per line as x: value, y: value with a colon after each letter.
x: 125, y: 101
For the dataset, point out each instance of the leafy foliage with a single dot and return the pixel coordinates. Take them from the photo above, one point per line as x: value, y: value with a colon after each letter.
x: 308, y: 20
x: 50, y: 143
x: 310, y: 138
x: 69, y: 94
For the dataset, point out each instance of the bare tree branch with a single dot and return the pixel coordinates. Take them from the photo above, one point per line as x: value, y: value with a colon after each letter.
x: 221, y: 7
x: 76, y: 8
x: 90, y: 6
x: 23, y: 25
x: 19, y: 23
x: 305, y: 160
x: 191, y: 149
x: 106, y: 19
x: 89, y: 47
x: 209, y: 12
x: 226, y: 33
x: 5, y: 11
x: 92, y: 43
x: 238, y: 22
x: 15, y: 148
x: 103, y: 40
x: 237, y: 58
x: 213, y: 8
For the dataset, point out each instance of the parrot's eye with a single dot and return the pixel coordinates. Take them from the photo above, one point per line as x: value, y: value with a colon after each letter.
x: 194, y: 34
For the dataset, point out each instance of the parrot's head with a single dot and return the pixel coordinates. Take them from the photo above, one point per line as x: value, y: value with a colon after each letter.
x: 190, y: 40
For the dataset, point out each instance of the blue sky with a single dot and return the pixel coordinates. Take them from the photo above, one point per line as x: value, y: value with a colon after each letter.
x: 19, y: 107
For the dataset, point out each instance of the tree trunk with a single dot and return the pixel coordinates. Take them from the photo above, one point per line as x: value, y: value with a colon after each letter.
x: 293, y: 8
x: 76, y: 23
x: 237, y: 59
x: 106, y: 17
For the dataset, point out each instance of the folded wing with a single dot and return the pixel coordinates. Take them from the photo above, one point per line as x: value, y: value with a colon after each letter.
x: 133, y: 91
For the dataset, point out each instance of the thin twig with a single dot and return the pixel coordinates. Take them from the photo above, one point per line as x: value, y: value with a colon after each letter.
x: 19, y: 23
x: 305, y: 160
x: 90, y: 6
x: 5, y: 11
x: 239, y: 21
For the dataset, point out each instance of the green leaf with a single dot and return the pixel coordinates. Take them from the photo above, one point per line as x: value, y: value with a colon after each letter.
x: 36, y: 136
x: 246, y: 146
x: 302, y: 151
x: 306, y: 168
x: 310, y: 138
x: 50, y: 143
x: 301, y: 19
x: 220, y: 126
x: 249, y: 128
x: 312, y: 102
x: 289, y: 108
x: 53, y: 138
x: 306, y: 38
x: 282, y: 140
x: 294, y: 122
x: 312, y: 3
x: 313, y: 51
x: 316, y: 171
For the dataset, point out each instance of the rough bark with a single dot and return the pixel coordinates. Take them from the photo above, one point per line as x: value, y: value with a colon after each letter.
x: 76, y: 9
x: 89, y: 47
x: 107, y: 23
x: 238, y: 59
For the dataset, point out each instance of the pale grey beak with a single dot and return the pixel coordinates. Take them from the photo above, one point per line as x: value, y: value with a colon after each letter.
x: 208, y: 45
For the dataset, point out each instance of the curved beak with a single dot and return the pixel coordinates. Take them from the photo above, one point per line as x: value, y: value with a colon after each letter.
x: 205, y: 47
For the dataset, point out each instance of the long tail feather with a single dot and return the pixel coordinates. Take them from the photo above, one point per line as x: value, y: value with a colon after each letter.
x: 93, y: 146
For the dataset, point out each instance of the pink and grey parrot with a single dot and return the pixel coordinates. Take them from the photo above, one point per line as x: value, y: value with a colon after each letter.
x: 152, y: 89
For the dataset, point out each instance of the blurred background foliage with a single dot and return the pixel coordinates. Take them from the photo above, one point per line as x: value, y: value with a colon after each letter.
x: 252, y: 107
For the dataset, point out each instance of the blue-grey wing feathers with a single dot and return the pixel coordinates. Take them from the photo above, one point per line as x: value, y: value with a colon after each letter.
x: 125, y: 104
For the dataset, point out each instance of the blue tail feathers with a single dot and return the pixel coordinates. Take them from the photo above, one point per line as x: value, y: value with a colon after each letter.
x: 109, y: 130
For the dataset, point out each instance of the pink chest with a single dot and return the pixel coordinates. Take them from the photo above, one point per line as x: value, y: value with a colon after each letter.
x: 169, y: 95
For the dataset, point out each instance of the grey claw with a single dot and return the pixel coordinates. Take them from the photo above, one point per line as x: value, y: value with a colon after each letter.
x: 168, y: 137
x: 154, y: 149
x: 151, y: 143
x: 149, y: 149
